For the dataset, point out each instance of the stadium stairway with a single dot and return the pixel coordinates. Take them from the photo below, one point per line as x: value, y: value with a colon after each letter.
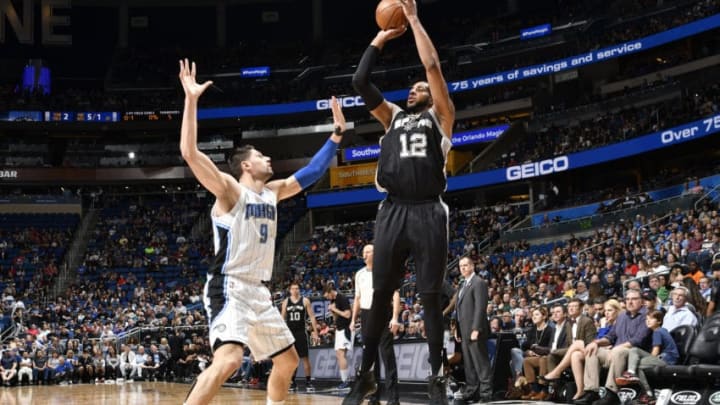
x: 75, y: 252
x: 296, y: 236
x: 503, y: 145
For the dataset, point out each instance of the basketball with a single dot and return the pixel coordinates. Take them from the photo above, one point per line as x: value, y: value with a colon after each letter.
x: 389, y: 14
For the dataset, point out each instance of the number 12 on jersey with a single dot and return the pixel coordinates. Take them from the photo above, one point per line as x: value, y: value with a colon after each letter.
x: 416, y: 148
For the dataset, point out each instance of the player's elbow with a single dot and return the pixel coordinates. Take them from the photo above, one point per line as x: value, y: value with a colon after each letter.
x: 359, y: 81
x: 432, y: 64
x: 187, y: 152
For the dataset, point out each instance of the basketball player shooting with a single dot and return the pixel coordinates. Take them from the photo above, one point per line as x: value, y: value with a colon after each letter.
x: 412, y: 219
x: 244, y: 216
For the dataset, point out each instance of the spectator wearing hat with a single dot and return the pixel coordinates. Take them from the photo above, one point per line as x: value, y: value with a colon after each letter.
x: 651, y: 301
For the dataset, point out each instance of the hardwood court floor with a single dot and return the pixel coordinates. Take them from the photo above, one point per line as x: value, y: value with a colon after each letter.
x: 142, y: 393
x: 158, y: 393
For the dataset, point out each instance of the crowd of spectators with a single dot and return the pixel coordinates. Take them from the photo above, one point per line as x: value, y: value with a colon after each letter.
x: 135, y: 311
x: 31, y: 250
x: 612, y: 127
x: 521, y: 276
x: 115, y: 323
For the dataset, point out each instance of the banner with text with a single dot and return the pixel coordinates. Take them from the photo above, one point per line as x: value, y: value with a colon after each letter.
x: 369, y: 152
x: 411, y: 359
x: 657, y: 140
x: 535, y: 32
x: 553, y: 67
x: 610, y: 52
x: 353, y: 175
x: 257, y: 71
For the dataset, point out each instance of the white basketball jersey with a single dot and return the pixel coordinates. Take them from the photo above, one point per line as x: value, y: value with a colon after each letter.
x: 245, y: 237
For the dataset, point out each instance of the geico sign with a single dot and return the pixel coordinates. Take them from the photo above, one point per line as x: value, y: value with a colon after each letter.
x: 344, y: 102
x: 534, y: 169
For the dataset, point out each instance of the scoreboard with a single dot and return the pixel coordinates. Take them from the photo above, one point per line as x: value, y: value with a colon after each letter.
x: 87, y: 116
x: 157, y: 115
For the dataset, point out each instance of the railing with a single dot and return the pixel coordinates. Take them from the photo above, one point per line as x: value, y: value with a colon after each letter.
x: 642, y: 278
x: 590, y: 222
x: 712, y: 192
x: 602, y: 242
x: 641, y: 227
x: 534, y: 270
x: 136, y: 335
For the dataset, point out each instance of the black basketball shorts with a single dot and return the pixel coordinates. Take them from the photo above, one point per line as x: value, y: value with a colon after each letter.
x: 403, y: 228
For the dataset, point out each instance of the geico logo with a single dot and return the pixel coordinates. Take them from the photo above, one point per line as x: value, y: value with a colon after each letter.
x: 672, y: 136
x: 558, y: 164
x: 344, y: 102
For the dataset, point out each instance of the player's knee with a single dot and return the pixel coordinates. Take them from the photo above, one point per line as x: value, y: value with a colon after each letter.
x: 286, y: 364
x: 227, y: 364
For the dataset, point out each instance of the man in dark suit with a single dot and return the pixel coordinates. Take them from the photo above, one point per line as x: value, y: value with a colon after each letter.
x: 472, y: 302
x: 577, y: 327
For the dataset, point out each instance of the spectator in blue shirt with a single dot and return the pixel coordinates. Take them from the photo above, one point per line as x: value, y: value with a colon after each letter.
x: 8, y: 366
x: 612, y: 351
x: 664, y: 352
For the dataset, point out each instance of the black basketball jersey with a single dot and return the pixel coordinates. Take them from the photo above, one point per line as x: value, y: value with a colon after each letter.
x: 296, y: 314
x: 412, y: 156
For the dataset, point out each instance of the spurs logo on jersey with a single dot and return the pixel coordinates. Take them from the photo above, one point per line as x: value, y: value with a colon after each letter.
x: 245, y: 237
x: 296, y: 314
x: 412, y: 156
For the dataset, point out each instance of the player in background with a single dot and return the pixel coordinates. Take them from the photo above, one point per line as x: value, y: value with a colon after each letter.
x: 296, y: 310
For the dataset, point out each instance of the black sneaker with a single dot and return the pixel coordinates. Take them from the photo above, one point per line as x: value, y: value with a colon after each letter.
x: 363, y: 386
x: 293, y: 387
x: 437, y: 391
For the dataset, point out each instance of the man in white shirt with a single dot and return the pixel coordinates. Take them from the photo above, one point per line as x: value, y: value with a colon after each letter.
x: 558, y: 314
x: 679, y: 313
x: 140, y: 359
x: 361, y: 307
x: 127, y: 362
